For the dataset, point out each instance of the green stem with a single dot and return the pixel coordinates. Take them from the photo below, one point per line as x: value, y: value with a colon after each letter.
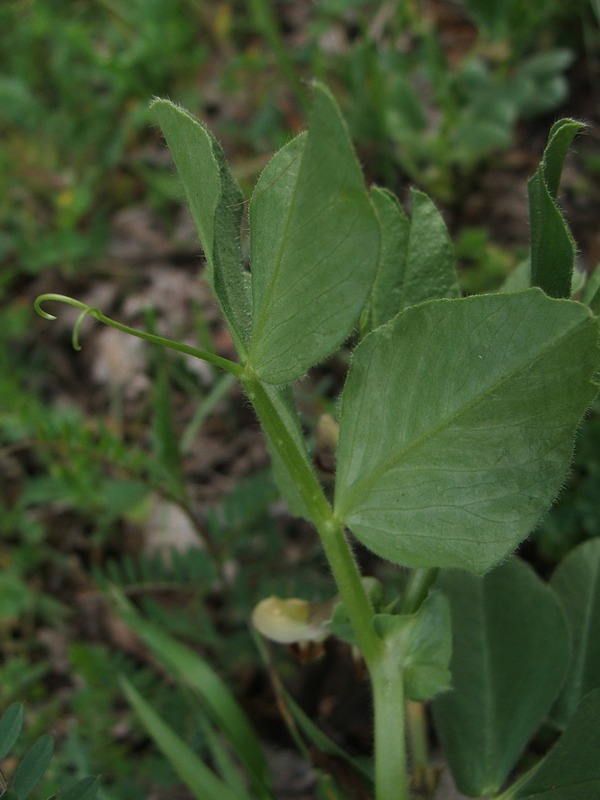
x: 386, y: 678
x: 356, y: 601
x: 391, y: 779
x: 417, y: 589
x: 337, y: 549
x: 92, y: 311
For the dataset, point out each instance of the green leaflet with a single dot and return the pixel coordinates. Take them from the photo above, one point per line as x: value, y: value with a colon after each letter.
x: 510, y: 649
x: 386, y: 295
x: 576, y: 581
x: 314, y: 241
x: 571, y: 770
x: 85, y: 789
x: 421, y: 644
x: 416, y: 261
x: 35, y: 762
x: 457, y: 422
x: 552, y: 245
x: 10, y: 728
x: 33, y: 766
x: 216, y: 204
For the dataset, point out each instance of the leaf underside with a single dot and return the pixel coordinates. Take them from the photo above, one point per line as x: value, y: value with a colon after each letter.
x: 457, y: 425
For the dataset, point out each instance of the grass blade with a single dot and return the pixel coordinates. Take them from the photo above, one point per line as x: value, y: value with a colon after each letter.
x: 201, y: 781
x: 224, y: 710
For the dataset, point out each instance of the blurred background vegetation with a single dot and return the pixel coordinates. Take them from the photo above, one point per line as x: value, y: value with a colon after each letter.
x: 124, y: 466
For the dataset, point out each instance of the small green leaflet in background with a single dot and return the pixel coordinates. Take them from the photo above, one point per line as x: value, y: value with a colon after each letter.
x: 35, y: 762
x: 510, y: 650
x: 31, y: 769
x: 576, y: 582
x: 85, y: 789
x: 314, y: 248
x: 416, y: 261
x: 10, y: 728
x: 552, y: 245
x: 217, y: 205
x: 457, y: 423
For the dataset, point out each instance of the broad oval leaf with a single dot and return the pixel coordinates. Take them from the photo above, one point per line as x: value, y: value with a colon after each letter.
x: 509, y: 653
x: 457, y: 425
x: 576, y: 581
x: 314, y: 241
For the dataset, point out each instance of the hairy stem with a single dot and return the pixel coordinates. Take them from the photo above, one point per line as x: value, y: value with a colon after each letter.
x: 391, y: 779
x: 333, y: 538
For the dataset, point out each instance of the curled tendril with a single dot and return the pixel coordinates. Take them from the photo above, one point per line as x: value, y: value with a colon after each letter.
x: 70, y: 301
x: 77, y: 326
x: 87, y: 310
x: 60, y: 298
